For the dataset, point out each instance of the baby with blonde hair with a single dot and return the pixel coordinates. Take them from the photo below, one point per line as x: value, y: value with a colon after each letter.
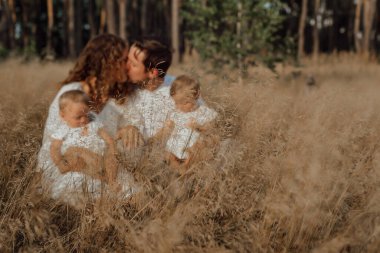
x: 81, y: 144
x: 189, y: 119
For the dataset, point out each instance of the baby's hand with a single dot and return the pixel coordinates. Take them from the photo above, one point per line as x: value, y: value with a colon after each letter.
x: 74, y: 161
x: 192, y: 124
x: 169, y: 124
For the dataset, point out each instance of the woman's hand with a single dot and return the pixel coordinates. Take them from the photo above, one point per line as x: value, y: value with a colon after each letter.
x: 192, y: 124
x: 131, y: 137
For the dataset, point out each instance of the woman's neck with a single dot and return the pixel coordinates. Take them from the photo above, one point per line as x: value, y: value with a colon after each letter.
x: 153, y: 84
x: 86, y: 88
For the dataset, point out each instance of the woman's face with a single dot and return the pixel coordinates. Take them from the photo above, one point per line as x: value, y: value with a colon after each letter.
x: 135, y: 65
x: 121, y: 71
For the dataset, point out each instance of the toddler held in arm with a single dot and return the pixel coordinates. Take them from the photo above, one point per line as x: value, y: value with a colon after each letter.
x: 189, y: 119
x: 81, y: 144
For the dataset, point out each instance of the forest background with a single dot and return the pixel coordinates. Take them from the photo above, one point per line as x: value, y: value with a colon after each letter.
x: 231, y: 30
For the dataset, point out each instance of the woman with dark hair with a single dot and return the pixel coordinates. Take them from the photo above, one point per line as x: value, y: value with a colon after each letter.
x: 100, y: 72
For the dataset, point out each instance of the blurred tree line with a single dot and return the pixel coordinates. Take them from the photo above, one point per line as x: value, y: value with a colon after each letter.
x: 232, y: 31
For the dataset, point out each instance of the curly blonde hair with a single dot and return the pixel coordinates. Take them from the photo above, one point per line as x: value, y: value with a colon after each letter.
x: 187, y: 84
x: 101, y: 58
x: 76, y: 96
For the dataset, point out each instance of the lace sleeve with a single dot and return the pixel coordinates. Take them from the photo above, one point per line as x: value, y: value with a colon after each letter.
x: 131, y: 116
x: 60, y: 133
x: 206, y: 115
x: 95, y: 124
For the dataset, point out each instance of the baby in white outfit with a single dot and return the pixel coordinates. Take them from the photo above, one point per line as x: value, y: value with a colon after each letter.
x: 188, y: 119
x: 81, y: 144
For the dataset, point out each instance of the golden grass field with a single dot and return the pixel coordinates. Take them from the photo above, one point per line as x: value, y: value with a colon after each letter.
x: 297, y: 170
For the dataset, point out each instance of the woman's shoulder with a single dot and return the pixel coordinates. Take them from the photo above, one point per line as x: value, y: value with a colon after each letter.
x: 70, y: 86
x: 163, y: 90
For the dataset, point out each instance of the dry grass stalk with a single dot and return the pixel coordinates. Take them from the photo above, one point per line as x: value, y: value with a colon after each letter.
x: 297, y: 170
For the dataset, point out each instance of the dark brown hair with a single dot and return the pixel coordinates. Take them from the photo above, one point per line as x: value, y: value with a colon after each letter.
x: 100, y: 57
x: 185, y: 83
x: 157, y: 55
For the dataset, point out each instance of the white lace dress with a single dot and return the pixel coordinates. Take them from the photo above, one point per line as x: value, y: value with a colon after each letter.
x: 71, y: 186
x: 74, y: 137
x: 184, y: 137
x: 119, y: 115
x: 154, y: 108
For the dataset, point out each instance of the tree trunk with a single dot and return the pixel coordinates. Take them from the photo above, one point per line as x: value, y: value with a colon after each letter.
x: 49, y: 44
x: 65, y: 40
x: 357, y: 34
x: 4, y: 35
x: 103, y: 14
x: 123, y: 19
x: 78, y: 27
x: 91, y: 18
x: 25, y: 28
x: 301, y: 30
x: 175, y: 30
x: 317, y: 26
x: 134, y: 19
x: 110, y: 8
x: 369, y: 15
x: 39, y: 30
x: 350, y: 30
x: 71, y: 27
x: 143, y: 17
x: 167, y: 15
x: 11, y: 24
x: 332, y: 36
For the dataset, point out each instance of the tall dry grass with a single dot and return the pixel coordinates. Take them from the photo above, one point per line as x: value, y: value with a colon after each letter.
x: 297, y: 169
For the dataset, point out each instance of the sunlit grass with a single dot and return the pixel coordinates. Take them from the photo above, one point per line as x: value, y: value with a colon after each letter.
x: 297, y: 169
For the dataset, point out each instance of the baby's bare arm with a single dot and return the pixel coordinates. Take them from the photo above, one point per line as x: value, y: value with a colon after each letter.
x: 90, y: 163
x: 56, y: 156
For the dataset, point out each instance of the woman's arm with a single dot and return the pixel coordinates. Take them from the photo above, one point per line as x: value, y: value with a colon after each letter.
x: 107, y: 138
x: 130, y: 136
x: 110, y: 160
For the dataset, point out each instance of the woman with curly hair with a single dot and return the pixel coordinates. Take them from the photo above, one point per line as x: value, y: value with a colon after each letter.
x: 100, y: 72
